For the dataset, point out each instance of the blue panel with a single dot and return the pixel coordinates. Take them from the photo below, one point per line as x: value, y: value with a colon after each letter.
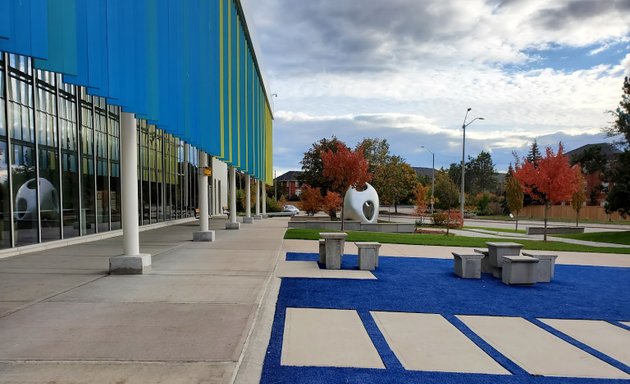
x: 162, y: 52
x: 5, y: 18
x: 39, y: 24
x: 62, y: 42
x: 176, y: 72
x: 97, y: 47
x: 243, y: 99
x: 235, y: 101
x: 213, y: 74
x: 227, y: 122
x: 19, y: 28
x: 80, y: 75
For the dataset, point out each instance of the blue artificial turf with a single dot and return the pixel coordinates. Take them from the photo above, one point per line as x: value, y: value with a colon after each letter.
x: 429, y: 286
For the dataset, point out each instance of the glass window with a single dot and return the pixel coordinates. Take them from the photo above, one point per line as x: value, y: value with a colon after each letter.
x: 114, y: 156
x: 88, y: 206
x: 69, y: 160
x: 5, y: 213
x: 49, y: 198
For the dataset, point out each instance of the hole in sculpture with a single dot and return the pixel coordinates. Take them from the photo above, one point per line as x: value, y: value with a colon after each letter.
x: 368, y: 210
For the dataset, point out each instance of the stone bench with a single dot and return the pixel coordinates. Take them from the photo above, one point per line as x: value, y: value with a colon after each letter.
x: 485, y: 262
x: 496, y: 252
x: 519, y: 270
x: 467, y: 266
x: 368, y: 255
x: 545, y: 268
x: 334, y: 243
x: 554, y: 230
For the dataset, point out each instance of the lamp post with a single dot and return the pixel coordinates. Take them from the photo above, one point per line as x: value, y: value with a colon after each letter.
x: 464, y: 125
x: 432, y: 176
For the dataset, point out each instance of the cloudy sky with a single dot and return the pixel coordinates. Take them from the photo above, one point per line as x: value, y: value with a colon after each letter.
x: 407, y: 70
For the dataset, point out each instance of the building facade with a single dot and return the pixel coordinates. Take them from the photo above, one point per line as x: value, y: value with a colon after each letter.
x: 62, y: 96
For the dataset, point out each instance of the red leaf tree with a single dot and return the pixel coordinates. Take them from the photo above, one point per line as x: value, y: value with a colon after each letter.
x: 550, y: 180
x: 331, y: 203
x: 345, y: 169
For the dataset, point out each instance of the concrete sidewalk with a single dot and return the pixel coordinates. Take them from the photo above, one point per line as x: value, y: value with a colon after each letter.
x: 64, y: 319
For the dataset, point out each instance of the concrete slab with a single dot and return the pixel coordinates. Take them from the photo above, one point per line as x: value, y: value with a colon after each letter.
x: 169, y: 289
x: 8, y: 306
x: 428, y: 342
x: 537, y: 351
x: 122, y: 332
x: 310, y: 270
x: 115, y: 372
x: 66, y: 264
x: 600, y: 335
x: 206, y: 262
x: 327, y: 338
x: 33, y: 286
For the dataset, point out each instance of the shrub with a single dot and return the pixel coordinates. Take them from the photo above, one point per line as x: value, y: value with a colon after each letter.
x: 273, y: 205
x: 442, y: 219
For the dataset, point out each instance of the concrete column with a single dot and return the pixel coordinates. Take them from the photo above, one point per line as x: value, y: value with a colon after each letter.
x: 203, y: 234
x: 186, y: 161
x: 258, y: 216
x: 232, y: 223
x: 248, y: 219
x: 131, y: 261
x: 264, y: 200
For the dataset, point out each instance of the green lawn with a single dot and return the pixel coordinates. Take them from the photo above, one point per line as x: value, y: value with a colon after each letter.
x: 507, y: 230
x: 453, y: 241
x: 605, y: 237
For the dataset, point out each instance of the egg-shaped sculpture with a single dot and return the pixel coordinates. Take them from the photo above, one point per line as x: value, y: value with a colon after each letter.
x: 26, y: 200
x: 362, y: 205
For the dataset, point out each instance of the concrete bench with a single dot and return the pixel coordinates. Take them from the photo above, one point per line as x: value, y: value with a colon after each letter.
x: 496, y: 251
x: 554, y: 230
x: 468, y: 266
x: 368, y: 255
x: 485, y: 262
x: 334, y: 243
x: 519, y: 270
x: 545, y: 268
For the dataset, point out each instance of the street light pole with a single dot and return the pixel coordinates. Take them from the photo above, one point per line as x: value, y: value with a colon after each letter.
x: 464, y: 125
x: 432, y: 177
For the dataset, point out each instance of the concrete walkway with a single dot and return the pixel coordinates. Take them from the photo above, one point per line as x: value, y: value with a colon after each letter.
x: 64, y: 319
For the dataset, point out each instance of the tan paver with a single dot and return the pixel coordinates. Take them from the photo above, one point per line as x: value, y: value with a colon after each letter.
x: 537, y: 351
x: 310, y: 270
x: 428, y: 342
x: 600, y: 335
x: 327, y: 338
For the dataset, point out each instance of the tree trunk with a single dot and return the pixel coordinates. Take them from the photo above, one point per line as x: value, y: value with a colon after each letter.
x: 343, y: 208
x: 577, y: 218
x: 545, y: 232
x: 516, y: 229
x: 395, y: 208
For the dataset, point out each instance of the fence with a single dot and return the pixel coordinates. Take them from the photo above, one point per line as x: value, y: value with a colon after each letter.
x: 565, y: 212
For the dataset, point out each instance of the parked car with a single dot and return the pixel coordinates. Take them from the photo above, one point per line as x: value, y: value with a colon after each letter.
x: 291, y: 209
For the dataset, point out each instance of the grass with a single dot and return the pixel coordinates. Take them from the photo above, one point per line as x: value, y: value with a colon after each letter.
x: 604, y: 237
x: 507, y: 230
x: 452, y: 241
x: 552, y: 220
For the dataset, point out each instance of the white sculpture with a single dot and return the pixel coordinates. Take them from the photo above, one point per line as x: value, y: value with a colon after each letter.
x: 362, y: 205
x: 26, y: 200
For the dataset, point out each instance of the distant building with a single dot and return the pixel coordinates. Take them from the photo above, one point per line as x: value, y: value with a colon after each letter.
x: 597, y: 157
x: 288, y: 184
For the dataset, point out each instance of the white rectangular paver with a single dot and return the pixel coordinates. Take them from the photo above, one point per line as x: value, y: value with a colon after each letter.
x: 626, y: 323
x: 600, y: 335
x: 428, y: 342
x: 538, y: 351
x: 327, y: 338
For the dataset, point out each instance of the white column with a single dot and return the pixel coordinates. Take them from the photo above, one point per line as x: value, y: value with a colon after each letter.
x: 248, y: 200
x: 264, y: 200
x: 186, y: 160
x: 232, y: 223
x: 258, y: 216
x: 131, y: 261
x: 203, y: 192
x: 204, y: 234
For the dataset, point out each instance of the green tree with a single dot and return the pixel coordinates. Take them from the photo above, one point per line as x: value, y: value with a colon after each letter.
x: 619, y: 194
x: 480, y: 174
x: 376, y: 152
x: 394, y: 181
x: 446, y: 195
x: 534, y: 155
x: 313, y: 167
x: 513, y: 196
x: 579, y: 197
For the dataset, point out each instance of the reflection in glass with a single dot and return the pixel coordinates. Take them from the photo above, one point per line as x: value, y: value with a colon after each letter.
x: 48, y: 157
x: 5, y: 213
x: 88, y: 214
x: 114, y: 156
x: 69, y: 160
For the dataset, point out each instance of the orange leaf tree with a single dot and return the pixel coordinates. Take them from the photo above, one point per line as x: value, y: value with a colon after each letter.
x: 420, y: 192
x: 345, y: 169
x: 311, y: 199
x: 579, y: 196
x: 550, y: 180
